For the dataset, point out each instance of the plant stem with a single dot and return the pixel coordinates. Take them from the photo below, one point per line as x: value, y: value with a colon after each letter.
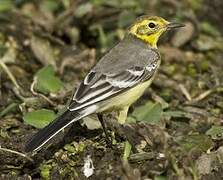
x: 127, y: 150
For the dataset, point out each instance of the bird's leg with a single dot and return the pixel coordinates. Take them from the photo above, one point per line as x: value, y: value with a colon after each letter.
x: 123, y: 115
x: 122, y: 119
x: 100, y: 117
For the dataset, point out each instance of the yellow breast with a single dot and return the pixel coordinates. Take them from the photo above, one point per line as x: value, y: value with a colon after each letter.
x: 126, y: 98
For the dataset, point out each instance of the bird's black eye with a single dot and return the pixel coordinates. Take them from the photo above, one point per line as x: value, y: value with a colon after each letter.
x: 152, y: 25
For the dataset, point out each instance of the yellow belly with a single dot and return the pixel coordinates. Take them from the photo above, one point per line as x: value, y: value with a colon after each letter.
x: 125, y: 99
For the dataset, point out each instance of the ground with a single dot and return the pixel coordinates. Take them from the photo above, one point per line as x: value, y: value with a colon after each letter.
x: 47, y: 47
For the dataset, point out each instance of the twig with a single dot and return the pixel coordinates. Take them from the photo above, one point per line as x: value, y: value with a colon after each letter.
x: 203, y: 95
x: 141, y: 156
x: 160, y: 100
x: 11, y: 77
x: 16, y: 152
x: 206, y: 94
x: 38, y: 94
x: 17, y: 93
x: 8, y: 109
x: 185, y: 92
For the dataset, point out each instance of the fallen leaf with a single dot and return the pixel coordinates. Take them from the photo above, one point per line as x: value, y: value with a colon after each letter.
x: 215, y: 131
x: 150, y: 112
x: 47, y: 82
x: 43, y: 51
x: 39, y: 118
x: 199, y: 141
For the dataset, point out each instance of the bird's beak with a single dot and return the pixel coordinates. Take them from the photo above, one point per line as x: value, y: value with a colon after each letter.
x: 173, y: 25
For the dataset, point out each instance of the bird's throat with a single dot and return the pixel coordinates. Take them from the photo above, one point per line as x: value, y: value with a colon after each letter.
x: 151, y: 39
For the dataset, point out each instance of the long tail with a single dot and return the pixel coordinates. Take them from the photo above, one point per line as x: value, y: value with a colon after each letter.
x: 48, y: 132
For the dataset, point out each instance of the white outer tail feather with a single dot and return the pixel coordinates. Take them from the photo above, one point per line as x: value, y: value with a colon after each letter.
x: 85, y: 112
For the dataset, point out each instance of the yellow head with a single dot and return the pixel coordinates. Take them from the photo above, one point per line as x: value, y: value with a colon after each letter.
x: 150, y: 28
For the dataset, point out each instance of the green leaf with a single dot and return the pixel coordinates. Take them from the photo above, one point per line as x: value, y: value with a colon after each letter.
x: 47, y: 82
x: 39, y: 118
x: 116, y: 3
x: 215, y: 131
x: 160, y: 178
x: 199, y: 141
x: 83, y: 9
x: 150, y: 112
x: 6, y: 5
x: 50, y: 5
x: 210, y: 29
x: 131, y: 119
x: 45, y: 170
x: 125, y: 19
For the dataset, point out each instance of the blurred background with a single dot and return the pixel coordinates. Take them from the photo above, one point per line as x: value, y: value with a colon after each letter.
x: 47, y: 47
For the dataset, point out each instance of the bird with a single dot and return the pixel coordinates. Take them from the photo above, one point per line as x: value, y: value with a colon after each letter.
x: 118, y: 79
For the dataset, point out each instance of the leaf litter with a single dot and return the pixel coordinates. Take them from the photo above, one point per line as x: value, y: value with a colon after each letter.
x: 175, y: 128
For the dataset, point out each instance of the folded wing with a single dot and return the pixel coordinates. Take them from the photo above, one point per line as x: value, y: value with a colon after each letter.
x: 97, y: 87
